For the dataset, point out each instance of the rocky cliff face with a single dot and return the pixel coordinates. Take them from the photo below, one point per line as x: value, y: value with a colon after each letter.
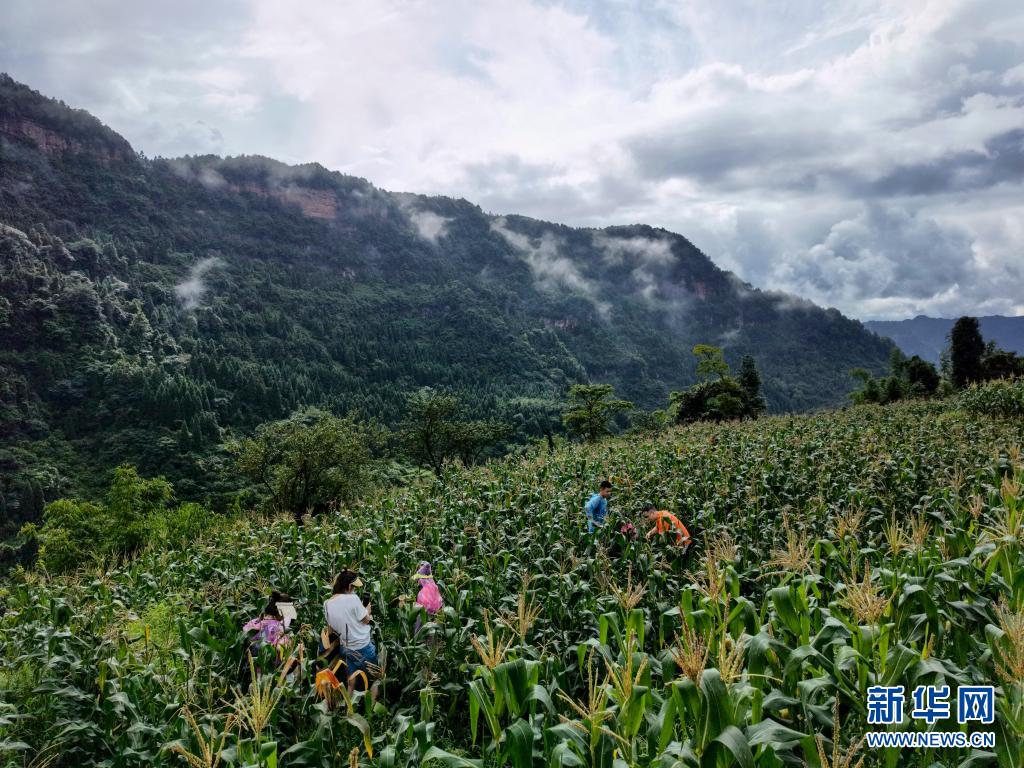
x: 27, y: 117
x: 313, y: 203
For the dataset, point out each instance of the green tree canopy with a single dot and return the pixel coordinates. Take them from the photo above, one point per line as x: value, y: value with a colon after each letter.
x: 309, y: 460
x: 720, y: 399
x: 750, y: 380
x: 999, y: 363
x: 710, y: 361
x: 591, y: 410
x: 135, y: 511
x: 921, y: 375
x: 435, y: 431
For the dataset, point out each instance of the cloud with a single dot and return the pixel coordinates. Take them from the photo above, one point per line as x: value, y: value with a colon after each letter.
x: 192, y: 289
x: 754, y: 129
x: 645, y: 250
x: 206, y: 175
x: 650, y: 261
x: 552, y: 271
x: 876, y: 259
x: 1002, y: 160
x: 428, y: 225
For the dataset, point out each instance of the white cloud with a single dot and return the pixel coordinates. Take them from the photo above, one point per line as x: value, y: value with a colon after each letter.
x: 428, y: 225
x: 645, y: 250
x: 552, y: 271
x: 192, y: 289
x: 760, y: 131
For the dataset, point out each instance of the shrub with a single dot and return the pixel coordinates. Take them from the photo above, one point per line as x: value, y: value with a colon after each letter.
x: 136, y: 513
x: 180, y: 525
x: 71, y: 534
x: 1002, y: 398
x: 309, y: 460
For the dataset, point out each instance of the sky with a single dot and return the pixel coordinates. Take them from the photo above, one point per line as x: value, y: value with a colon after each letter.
x: 865, y: 155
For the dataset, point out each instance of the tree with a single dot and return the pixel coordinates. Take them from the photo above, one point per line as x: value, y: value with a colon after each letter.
x: 710, y: 361
x: 591, y: 410
x: 720, y: 400
x: 869, y: 391
x: 472, y: 439
x: 435, y: 431
x: 999, y: 363
x: 892, y: 389
x: 137, y: 511
x: 922, y: 376
x: 648, y: 422
x: 750, y: 380
x: 309, y: 460
x: 965, y: 350
x: 427, y: 433
x: 897, y: 362
x: 537, y: 416
x: 72, y: 534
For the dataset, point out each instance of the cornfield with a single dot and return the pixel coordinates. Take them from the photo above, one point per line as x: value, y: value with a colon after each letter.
x: 835, y: 552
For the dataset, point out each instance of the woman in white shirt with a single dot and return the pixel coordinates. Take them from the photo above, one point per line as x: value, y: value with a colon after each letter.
x: 350, y: 620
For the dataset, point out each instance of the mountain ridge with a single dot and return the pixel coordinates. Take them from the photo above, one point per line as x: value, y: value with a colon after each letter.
x: 927, y: 336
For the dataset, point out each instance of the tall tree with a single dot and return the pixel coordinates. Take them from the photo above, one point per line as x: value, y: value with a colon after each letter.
x: 534, y: 416
x: 897, y: 362
x: 999, y: 363
x: 750, y: 380
x: 965, y: 350
x: 427, y: 434
x: 921, y: 375
x: 591, y: 410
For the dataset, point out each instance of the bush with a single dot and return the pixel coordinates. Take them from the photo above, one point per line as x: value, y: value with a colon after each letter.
x: 648, y: 422
x: 71, y: 534
x: 136, y: 513
x: 309, y: 461
x: 1002, y: 398
x: 181, y: 525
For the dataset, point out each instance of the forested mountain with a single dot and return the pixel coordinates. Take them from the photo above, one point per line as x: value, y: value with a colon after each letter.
x: 927, y: 336
x: 151, y: 308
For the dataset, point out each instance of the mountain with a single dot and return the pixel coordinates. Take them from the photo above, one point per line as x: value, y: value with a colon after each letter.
x: 153, y: 308
x: 927, y: 336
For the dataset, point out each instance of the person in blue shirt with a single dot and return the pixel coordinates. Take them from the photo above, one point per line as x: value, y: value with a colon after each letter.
x: 597, y: 508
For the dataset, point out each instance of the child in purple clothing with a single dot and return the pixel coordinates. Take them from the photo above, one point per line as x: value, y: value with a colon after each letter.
x: 269, y: 631
x: 270, y: 628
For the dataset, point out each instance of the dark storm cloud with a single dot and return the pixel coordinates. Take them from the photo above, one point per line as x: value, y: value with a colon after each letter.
x: 1002, y: 161
x: 718, y: 153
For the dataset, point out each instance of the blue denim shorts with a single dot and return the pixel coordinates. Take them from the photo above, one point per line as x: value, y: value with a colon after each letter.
x: 357, y: 659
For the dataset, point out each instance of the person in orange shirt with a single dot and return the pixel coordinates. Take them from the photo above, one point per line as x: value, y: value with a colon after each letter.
x: 667, y: 523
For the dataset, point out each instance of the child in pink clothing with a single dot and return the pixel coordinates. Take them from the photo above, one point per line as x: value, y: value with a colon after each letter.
x: 429, y: 597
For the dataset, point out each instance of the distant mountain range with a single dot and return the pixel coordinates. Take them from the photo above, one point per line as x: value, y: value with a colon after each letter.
x: 152, y: 308
x: 927, y: 336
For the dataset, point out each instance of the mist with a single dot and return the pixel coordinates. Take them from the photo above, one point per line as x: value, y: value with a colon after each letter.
x: 191, y: 290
